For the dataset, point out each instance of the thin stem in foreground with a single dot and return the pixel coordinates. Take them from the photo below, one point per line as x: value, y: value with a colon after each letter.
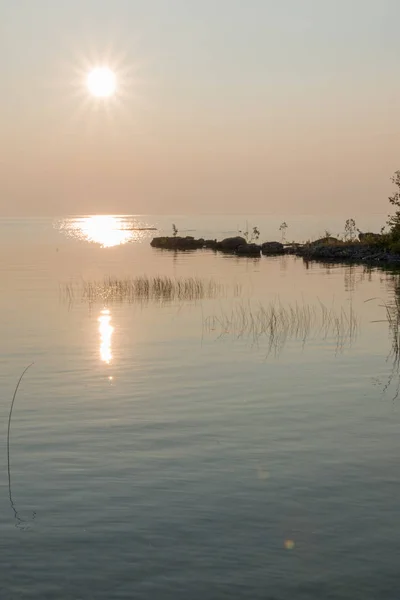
x: 8, y: 438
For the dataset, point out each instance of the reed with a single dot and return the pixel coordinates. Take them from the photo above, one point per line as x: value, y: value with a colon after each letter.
x: 277, y: 324
x: 19, y: 520
x: 392, y: 310
x: 393, y: 318
x: 143, y: 288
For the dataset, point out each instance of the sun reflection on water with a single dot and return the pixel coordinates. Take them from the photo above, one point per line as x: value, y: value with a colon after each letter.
x: 106, y: 331
x: 105, y: 230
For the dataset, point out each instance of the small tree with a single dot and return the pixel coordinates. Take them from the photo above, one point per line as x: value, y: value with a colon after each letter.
x: 394, y: 220
x: 255, y: 235
x: 282, y: 228
x: 350, y: 230
x: 250, y: 237
x: 174, y: 230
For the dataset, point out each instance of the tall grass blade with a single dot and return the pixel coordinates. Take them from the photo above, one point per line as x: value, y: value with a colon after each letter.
x: 17, y: 517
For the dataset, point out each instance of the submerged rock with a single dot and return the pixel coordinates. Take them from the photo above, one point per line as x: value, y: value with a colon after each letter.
x: 272, y: 248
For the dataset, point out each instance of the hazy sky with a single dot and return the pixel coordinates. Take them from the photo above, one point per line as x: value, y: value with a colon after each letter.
x: 240, y: 106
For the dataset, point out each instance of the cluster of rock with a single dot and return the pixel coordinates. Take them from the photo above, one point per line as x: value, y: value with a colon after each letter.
x: 324, y: 249
x: 232, y: 245
x: 354, y: 252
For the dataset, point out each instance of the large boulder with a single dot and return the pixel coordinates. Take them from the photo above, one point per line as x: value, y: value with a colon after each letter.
x: 231, y: 244
x: 177, y: 243
x: 272, y: 248
x: 249, y: 250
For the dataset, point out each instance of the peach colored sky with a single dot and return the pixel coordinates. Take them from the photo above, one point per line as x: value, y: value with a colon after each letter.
x: 226, y: 106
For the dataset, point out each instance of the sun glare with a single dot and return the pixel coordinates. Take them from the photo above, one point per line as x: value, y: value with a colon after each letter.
x: 102, y: 82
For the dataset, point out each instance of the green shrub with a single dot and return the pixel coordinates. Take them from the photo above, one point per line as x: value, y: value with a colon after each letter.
x: 395, y: 247
x: 394, y: 220
x: 380, y: 242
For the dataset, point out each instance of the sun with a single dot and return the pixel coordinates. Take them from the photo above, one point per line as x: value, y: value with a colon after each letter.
x: 101, y: 82
x: 104, y: 84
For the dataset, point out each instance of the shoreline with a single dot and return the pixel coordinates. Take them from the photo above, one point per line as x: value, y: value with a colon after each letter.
x: 329, y: 250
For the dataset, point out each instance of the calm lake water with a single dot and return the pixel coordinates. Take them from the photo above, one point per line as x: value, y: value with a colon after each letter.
x: 243, y: 442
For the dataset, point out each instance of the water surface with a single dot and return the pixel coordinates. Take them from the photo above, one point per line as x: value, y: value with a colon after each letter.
x: 153, y: 456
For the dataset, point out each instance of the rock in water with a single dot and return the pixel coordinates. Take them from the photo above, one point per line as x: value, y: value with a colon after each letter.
x: 177, y: 243
x: 249, y: 250
x: 213, y: 244
x: 231, y: 244
x: 272, y: 248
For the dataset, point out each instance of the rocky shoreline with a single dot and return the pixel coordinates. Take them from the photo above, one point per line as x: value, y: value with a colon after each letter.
x: 231, y: 245
x: 325, y: 250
